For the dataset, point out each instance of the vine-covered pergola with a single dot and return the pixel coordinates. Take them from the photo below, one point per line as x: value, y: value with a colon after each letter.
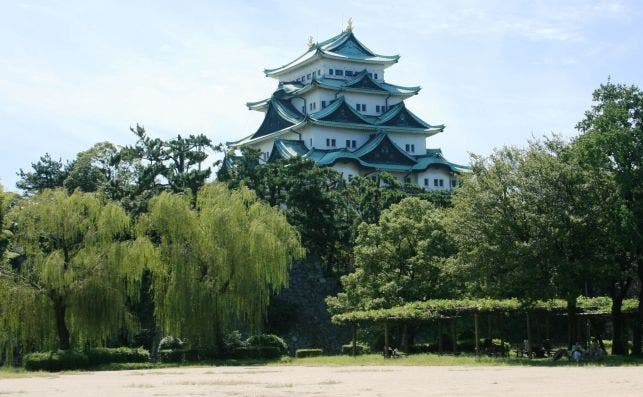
x: 450, y: 310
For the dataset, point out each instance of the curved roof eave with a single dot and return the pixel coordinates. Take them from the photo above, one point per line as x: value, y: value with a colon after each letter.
x: 274, y: 134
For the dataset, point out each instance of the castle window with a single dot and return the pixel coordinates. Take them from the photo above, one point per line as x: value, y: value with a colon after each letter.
x: 407, y: 179
x: 436, y: 182
x: 330, y: 142
x: 323, y: 104
x: 441, y: 182
x: 333, y: 144
x: 412, y: 148
x: 375, y: 76
x: 354, y: 143
x: 348, y: 143
x: 363, y: 107
x: 407, y: 147
x: 339, y: 72
x: 330, y: 71
x: 377, y: 108
x: 358, y: 106
x: 303, y: 109
x: 319, y: 73
x: 426, y: 181
x: 308, y: 76
x: 348, y: 73
x: 314, y: 73
x: 454, y: 183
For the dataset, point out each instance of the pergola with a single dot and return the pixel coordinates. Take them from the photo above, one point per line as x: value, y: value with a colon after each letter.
x: 441, y: 310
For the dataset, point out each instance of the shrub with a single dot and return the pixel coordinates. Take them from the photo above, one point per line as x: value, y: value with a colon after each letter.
x: 419, y: 348
x: 302, y: 353
x: 268, y: 340
x: 183, y: 355
x: 231, y: 342
x: 360, y: 348
x: 55, y: 361
x: 269, y: 352
x: 104, y: 355
x: 245, y: 352
x: 171, y: 343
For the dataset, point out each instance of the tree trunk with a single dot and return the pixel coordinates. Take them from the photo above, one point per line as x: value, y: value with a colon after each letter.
x: 61, y: 326
x: 571, y: 322
x: 404, y: 346
x: 618, y: 342
x: 638, y: 316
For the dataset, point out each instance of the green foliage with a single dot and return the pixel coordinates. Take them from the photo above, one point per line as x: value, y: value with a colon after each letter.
x: 303, y: 353
x: 55, y: 361
x: 400, y: 259
x: 360, y: 348
x: 218, y: 262
x: 171, y: 343
x: 80, y: 270
x: 440, y: 308
x: 265, y: 340
x: 102, y: 355
x: 47, y: 174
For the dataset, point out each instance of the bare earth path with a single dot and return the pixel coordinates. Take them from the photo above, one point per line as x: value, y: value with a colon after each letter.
x: 337, y: 381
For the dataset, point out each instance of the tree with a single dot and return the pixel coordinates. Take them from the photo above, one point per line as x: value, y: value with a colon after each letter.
x: 400, y: 259
x: 523, y: 222
x: 175, y: 165
x: 611, y: 142
x: 47, y: 174
x: 80, y: 270
x: 219, y: 260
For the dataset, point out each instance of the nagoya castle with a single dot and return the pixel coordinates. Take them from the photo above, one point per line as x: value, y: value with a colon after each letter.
x: 333, y: 106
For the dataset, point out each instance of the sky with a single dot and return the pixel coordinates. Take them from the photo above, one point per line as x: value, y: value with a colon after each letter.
x: 74, y: 73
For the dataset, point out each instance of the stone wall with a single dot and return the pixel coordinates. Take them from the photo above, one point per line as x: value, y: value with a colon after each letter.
x: 299, y: 314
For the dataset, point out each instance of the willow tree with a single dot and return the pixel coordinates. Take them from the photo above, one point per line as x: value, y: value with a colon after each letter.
x: 219, y: 261
x: 79, y: 271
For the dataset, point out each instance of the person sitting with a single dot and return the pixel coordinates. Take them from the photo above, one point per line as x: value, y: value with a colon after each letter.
x: 577, y: 352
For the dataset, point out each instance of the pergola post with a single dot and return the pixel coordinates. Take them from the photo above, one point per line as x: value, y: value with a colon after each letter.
x: 529, y: 337
x: 454, y: 335
x: 440, y: 338
x: 354, y: 339
x: 386, y: 349
x: 477, y: 332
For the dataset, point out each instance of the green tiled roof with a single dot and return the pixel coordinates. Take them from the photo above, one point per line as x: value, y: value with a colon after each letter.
x: 279, y: 115
x: 397, y: 117
x: 343, y: 46
x: 379, y: 153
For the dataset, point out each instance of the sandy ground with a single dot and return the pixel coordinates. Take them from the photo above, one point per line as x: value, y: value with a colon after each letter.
x: 337, y: 381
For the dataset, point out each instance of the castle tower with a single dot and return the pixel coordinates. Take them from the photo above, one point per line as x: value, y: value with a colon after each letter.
x: 333, y: 106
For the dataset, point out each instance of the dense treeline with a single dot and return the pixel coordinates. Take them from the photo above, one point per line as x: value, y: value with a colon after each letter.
x: 555, y: 220
x: 124, y: 244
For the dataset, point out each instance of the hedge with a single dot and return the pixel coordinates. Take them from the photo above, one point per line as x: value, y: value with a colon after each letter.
x: 55, y: 361
x: 103, y: 355
x: 268, y: 340
x: 302, y: 353
x: 183, y: 355
x: 69, y: 359
x: 359, y: 347
x: 256, y: 352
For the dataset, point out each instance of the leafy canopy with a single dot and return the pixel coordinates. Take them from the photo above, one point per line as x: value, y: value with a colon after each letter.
x: 219, y: 262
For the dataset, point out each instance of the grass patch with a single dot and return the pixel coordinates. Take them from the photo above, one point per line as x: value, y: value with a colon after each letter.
x: 448, y: 360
